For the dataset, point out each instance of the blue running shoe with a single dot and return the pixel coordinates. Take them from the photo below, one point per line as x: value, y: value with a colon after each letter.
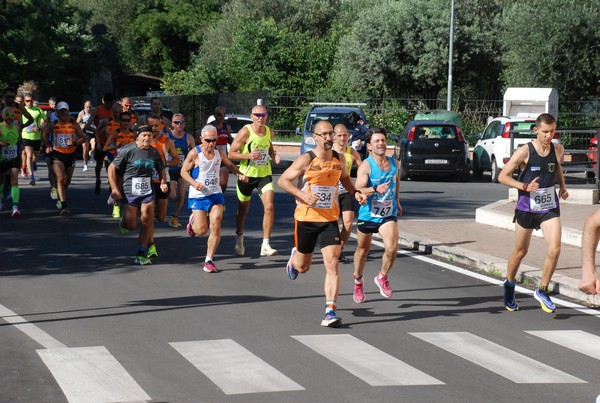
x: 292, y: 273
x: 545, y: 301
x: 330, y: 319
x: 510, y: 303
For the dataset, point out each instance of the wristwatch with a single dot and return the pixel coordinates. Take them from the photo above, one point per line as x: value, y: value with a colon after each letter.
x: 375, y: 188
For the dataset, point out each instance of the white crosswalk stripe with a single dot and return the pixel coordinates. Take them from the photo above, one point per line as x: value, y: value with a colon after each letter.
x: 496, y: 358
x: 91, y: 374
x: 233, y: 368
x: 580, y: 341
x: 365, y: 361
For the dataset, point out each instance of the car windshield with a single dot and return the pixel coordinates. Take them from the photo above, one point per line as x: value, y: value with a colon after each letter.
x: 236, y: 125
x: 435, y: 133
x: 332, y: 117
x: 524, y: 129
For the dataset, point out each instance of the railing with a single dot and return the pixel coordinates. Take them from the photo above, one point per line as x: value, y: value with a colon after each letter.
x: 581, y: 155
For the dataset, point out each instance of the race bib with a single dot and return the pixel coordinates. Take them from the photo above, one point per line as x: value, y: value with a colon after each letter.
x: 9, y: 152
x: 263, y: 160
x: 210, y: 180
x: 542, y: 199
x: 325, y: 195
x: 382, y: 207
x: 341, y: 188
x: 141, y: 186
x: 63, y: 140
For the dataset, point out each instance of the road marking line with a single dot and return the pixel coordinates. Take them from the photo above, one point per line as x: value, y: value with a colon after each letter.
x: 577, y: 340
x: 233, y: 368
x: 366, y: 362
x: 496, y: 358
x: 31, y: 330
x: 91, y: 374
x: 490, y: 280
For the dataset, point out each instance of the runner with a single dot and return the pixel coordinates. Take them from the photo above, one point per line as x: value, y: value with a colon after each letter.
x: 537, y: 206
x: 377, y: 178
x: 345, y: 199
x: 205, y: 196
x: 10, y: 158
x: 137, y: 162
x: 253, y: 147
x: 67, y: 136
x: 224, y: 139
x: 183, y: 142
x: 31, y: 136
x: 317, y: 212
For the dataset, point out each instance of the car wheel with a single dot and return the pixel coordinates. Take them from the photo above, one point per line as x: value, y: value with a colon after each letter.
x: 477, y: 171
x: 495, y: 171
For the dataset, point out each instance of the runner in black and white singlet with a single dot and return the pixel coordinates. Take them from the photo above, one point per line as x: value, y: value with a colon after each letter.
x: 537, y: 207
x: 223, y: 140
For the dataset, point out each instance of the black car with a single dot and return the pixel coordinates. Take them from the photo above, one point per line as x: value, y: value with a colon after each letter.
x: 433, y: 147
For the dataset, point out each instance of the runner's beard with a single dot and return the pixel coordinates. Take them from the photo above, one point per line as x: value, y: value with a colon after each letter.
x: 328, y: 145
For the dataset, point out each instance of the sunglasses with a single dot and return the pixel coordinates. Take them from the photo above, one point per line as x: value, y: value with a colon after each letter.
x: 178, y: 122
x: 210, y: 140
x: 127, y: 105
x: 29, y: 100
x: 260, y: 115
x: 125, y: 120
x: 325, y: 134
x: 9, y: 115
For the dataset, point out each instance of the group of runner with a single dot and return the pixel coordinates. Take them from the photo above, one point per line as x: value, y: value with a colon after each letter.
x: 150, y: 159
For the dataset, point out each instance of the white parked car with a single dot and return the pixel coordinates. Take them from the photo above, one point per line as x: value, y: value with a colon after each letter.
x: 492, y: 150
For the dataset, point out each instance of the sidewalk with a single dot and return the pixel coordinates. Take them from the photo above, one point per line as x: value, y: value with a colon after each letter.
x: 485, y: 244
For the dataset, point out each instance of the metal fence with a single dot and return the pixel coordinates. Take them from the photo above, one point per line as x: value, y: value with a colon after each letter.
x: 287, y: 112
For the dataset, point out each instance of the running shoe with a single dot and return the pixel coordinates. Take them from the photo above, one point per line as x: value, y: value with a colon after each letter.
x: 24, y: 172
x: 330, y: 319
x: 15, y: 211
x: 32, y: 180
x: 85, y: 167
x: 58, y: 204
x: 359, y: 294
x: 545, y: 301
x: 510, y: 303
x: 97, y: 188
x: 188, y: 228
x: 122, y: 228
x: 291, y: 272
x: 210, y: 267
x: 239, y: 249
x: 54, y: 193
x: 152, y: 251
x: 110, y: 201
x: 116, y: 213
x: 174, y: 222
x: 266, y: 250
x: 65, y: 211
x: 384, y: 286
x: 142, y: 260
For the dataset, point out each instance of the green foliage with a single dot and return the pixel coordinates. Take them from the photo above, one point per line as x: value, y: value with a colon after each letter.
x: 552, y: 44
x: 45, y: 40
x: 392, y: 116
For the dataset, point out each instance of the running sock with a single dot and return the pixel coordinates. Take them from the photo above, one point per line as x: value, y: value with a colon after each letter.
x: 208, y: 259
x: 63, y: 204
x: 357, y: 280
x: 511, y: 283
x: 142, y: 250
x: 15, y: 193
x: 329, y: 306
x: 265, y: 241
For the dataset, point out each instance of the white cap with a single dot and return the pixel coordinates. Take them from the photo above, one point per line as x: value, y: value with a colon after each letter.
x: 62, y: 105
x: 210, y: 119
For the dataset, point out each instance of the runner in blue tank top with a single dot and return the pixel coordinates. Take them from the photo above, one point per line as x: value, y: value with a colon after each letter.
x: 184, y: 142
x: 378, y: 179
x: 537, y: 206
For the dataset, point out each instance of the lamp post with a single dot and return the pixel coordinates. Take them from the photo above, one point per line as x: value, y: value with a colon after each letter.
x: 450, y: 51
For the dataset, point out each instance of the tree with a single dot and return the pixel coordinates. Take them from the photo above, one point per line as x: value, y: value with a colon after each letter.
x: 402, y: 47
x: 552, y: 44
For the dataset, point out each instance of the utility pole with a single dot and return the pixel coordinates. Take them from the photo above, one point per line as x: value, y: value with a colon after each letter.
x: 450, y: 54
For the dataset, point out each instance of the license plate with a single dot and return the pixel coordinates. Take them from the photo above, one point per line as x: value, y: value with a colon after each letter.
x: 437, y: 162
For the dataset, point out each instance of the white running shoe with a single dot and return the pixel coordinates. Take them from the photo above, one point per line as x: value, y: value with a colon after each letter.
x: 239, y: 246
x: 85, y: 167
x: 266, y: 250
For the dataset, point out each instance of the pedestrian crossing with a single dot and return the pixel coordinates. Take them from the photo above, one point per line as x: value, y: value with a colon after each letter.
x: 93, y: 374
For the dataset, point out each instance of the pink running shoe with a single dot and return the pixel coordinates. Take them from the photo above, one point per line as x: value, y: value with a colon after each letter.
x: 359, y: 294
x: 189, y: 229
x: 210, y: 267
x: 384, y: 286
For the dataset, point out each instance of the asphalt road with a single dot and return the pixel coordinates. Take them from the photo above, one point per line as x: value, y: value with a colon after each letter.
x: 80, y: 322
